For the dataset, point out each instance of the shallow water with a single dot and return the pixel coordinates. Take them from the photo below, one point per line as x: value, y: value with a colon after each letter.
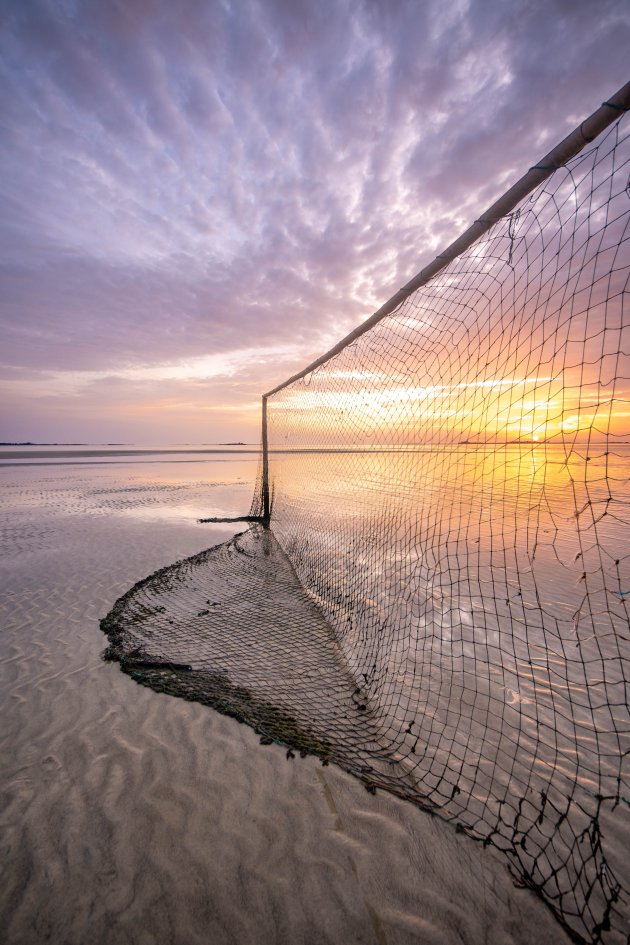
x: 509, y: 564
x: 132, y: 817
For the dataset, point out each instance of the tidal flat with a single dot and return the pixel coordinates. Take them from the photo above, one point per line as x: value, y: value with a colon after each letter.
x: 131, y: 816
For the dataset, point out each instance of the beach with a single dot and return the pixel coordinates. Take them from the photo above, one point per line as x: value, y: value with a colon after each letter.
x: 131, y: 816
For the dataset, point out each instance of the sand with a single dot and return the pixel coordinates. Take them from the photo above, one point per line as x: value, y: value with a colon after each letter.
x: 134, y: 817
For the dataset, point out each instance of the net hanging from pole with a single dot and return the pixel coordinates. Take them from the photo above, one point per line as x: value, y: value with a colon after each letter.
x: 441, y: 602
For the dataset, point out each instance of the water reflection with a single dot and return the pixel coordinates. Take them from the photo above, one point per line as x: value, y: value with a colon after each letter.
x: 480, y: 597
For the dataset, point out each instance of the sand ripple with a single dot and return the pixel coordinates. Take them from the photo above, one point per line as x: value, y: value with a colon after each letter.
x: 132, y: 817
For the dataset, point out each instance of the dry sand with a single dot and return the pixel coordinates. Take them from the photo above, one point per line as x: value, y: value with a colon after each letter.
x: 133, y: 817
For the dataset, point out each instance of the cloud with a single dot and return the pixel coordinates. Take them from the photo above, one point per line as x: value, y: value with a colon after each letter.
x: 183, y: 179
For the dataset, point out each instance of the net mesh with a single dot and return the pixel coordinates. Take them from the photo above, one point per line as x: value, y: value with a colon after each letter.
x: 441, y: 603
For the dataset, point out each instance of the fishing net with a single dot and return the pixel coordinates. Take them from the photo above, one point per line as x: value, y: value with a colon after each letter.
x: 440, y: 604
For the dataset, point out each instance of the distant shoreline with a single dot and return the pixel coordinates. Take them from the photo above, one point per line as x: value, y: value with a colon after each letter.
x: 28, y: 443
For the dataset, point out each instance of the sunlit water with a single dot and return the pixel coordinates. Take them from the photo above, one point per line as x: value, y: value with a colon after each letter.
x: 481, y: 599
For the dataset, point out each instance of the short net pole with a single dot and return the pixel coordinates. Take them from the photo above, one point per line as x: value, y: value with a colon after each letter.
x: 266, y: 507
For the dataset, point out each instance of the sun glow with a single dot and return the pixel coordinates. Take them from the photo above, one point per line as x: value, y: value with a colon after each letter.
x: 530, y: 409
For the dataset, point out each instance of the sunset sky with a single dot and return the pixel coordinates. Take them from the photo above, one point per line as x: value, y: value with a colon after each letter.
x: 198, y: 198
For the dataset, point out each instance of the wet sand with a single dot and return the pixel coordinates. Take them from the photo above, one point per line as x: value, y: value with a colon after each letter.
x: 134, y: 817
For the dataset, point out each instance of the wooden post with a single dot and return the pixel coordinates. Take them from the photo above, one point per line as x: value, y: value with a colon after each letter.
x: 266, y: 506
